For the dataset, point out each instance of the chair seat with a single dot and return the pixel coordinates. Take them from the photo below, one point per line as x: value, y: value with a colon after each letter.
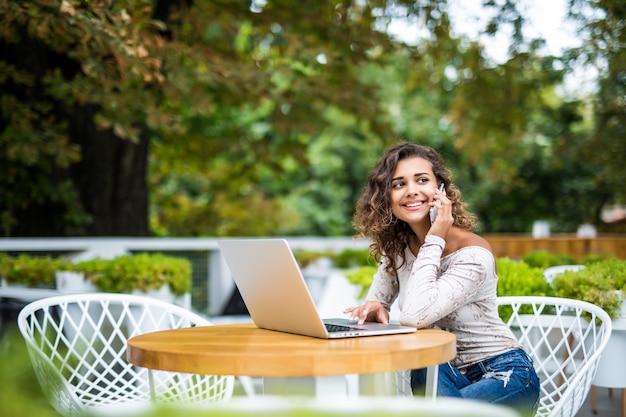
x: 77, y: 344
x: 565, y: 338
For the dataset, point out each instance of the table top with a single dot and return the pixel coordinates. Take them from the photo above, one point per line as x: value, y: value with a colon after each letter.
x: 246, y: 350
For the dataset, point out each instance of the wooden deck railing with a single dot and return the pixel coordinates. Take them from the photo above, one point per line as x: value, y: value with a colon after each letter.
x: 516, y: 246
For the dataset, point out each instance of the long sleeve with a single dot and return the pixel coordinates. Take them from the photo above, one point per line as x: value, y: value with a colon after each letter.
x: 432, y: 292
x: 456, y: 293
x: 384, y: 287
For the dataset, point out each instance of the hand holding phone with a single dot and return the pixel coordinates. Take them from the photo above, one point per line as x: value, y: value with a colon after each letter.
x: 433, y: 209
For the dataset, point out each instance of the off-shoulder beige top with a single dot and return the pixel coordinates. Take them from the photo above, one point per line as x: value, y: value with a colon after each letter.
x: 456, y: 293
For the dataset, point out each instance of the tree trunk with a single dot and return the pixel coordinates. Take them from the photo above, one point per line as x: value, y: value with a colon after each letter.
x: 111, y: 178
x: 109, y: 181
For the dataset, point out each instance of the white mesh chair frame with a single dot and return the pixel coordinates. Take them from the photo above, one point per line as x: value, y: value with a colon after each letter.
x: 565, y: 339
x: 550, y: 273
x: 77, y: 344
x: 400, y: 383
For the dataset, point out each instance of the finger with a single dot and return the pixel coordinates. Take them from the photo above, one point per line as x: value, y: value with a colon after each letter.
x: 353, y: 311
x: 363, y: 316
x: 382, y: 318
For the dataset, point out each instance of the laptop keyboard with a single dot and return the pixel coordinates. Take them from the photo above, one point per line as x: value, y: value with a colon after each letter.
x: 339, y: 328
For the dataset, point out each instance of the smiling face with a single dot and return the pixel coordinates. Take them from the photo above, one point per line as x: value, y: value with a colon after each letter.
x: 413, y: 185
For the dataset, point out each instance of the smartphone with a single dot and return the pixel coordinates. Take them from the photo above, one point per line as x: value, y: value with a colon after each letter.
x: 433, y: 210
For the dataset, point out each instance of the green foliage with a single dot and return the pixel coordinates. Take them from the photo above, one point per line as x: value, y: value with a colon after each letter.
x: 544, y: 259
x: 21, y: 394
x: 592, y: 258
x: 4, y: 264
x: 32, y: 271
x: 145, y: 272
x: 519, y: 278
x: 362, y: 277
x: 256, y: 126
x: 603, y: 41
x: 598, y: 284
x: 349, y: 258
x: 76, y: 56
x: 306, y: 257
x: 91, y: 268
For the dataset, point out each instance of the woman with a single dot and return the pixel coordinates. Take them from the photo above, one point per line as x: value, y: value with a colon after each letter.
x: 443, y: 275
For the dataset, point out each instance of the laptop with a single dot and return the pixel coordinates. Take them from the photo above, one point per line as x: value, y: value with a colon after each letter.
x: 273, y: 288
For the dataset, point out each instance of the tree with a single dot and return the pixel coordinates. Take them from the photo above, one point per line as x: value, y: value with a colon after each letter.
x: 603, y: 25
x: 76, y: 81
x: 106, y: 84
x: 218, y: 117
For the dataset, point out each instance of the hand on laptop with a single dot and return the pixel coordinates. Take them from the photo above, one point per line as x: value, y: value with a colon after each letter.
x: 370, y: 311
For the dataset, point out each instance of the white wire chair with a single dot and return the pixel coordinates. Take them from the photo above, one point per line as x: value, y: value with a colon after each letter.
x: 565, y: 339
x: 77, y: 344
x: 551, y: 272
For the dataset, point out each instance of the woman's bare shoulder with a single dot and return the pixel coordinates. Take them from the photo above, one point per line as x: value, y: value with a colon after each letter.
x: 472, y: 239
x: 465, y: 239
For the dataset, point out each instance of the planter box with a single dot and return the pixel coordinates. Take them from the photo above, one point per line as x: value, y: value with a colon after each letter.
x: 165, y: 294
x: 611, y: 371
x: 68, y: 282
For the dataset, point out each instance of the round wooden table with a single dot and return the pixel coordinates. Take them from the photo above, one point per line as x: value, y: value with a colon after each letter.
x: 246, y: 350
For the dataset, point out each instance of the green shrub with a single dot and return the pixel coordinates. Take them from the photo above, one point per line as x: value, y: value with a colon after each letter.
x: 592, y: 258
x: 519, y: 278
x: 32, y: 271
x: 598, y: 284
x: 306, y: 257
x: 350, y: 258
x: 5, y: 264
x: 92, y: 268
x: 544, y: 259
x: 362, y: 277
x: 123, y: 274
x: 145, y: 272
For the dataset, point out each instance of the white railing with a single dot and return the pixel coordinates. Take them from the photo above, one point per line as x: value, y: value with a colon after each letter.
x: 219, y: 282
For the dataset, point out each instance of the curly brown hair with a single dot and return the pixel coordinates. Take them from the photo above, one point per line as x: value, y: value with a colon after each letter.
x: 374, y: 218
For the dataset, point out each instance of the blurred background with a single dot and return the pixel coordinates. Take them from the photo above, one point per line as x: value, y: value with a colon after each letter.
x: 213, y: 118
x: 253, y: 118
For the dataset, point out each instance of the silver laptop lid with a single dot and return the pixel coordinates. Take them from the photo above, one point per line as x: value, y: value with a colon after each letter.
x: 272, y: 286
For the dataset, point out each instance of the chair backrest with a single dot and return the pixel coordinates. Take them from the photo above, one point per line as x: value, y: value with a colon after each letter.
x: 551, y: 272
x: 77, y: 344
x: 565, y: 339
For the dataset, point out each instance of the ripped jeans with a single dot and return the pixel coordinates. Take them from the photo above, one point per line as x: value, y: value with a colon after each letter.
x: 508, y: 379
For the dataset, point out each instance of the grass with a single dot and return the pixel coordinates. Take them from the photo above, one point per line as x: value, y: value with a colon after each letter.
x: 21, y: 395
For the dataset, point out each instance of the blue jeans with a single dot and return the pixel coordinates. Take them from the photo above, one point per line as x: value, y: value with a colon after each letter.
x: 508, y: 379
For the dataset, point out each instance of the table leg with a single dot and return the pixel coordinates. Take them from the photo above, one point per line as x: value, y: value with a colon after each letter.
x: 432, y: 374
x: 343, y: 385
x: 151, y: 384
x: 351, y: 385
x: 337, y: 385
x: 325, y: 386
